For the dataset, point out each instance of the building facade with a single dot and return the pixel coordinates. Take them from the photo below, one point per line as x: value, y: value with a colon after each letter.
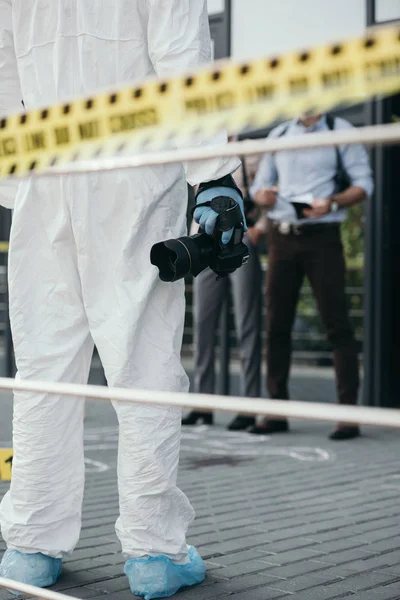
x: 244, y: 29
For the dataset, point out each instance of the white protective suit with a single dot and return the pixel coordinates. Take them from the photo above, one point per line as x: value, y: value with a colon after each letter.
x: 80, y: 273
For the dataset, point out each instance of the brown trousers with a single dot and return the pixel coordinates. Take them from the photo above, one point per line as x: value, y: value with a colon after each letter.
x: 317, y: 254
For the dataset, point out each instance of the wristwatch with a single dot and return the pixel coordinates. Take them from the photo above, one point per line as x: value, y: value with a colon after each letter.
x: 334, y: 206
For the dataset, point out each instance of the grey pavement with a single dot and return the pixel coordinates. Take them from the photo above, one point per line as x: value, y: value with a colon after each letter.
x: 292, y: 516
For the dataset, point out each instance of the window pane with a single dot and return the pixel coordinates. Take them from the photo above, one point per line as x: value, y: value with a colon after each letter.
x: 387, y: 10
x: 216, y: 6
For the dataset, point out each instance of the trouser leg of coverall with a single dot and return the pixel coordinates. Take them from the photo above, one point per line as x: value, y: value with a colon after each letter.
x: 42, y: 510
x: 246, y: 288
x: 208, y: 297
x: 136, y: 322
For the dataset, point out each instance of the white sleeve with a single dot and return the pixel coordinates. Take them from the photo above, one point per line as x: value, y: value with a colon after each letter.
x: 178, y: 40
x: 10, y: 89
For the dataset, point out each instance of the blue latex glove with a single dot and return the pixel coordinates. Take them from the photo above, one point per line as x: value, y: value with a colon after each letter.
x: 34, y: 569
x: 158, y: 577
x: 206, y: 217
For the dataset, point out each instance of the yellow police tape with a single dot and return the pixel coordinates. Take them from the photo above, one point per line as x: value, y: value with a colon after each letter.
x: 4, y: 247
x: 228, y: 95
x: 6, y: 457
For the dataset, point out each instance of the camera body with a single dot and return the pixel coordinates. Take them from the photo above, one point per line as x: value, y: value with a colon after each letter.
x: 192, y: 254
x: 251, y: 211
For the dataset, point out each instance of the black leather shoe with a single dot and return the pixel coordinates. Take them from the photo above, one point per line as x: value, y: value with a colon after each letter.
x: 268, y: 426
x: 345, y: 433
x: 240, y: 423
x: 195, y: 417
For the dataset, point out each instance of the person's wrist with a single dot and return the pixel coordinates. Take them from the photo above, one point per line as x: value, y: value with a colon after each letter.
x: 333, y: 204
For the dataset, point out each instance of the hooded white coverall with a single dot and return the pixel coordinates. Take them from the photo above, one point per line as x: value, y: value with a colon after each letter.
x: 80, y: 273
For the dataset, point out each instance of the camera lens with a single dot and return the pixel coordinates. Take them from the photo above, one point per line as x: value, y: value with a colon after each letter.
x: 172, y: 260
x: 176, y: 258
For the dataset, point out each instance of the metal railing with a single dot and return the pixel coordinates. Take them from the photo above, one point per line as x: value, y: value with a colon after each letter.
x: 310, y: 344
x: 309, y: 340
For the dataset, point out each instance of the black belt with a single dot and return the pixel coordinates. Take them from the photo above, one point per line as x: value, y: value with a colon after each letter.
x: 286, y: 228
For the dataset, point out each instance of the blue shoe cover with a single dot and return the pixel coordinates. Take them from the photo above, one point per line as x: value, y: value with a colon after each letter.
x: 35, y: 569
x: 158, y: 577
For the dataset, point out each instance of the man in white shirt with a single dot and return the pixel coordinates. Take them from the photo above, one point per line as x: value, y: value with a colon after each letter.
x: 305, y: 194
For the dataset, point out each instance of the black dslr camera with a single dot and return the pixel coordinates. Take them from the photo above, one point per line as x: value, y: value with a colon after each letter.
x: 177, y: 258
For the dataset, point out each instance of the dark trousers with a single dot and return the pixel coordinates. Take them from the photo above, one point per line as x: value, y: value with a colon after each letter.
x: 319, y: 256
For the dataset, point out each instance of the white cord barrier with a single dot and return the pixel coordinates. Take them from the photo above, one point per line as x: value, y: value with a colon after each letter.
x: 32, y: 591
x: 371, y: 135
x: 381, y: 417
x: 381, y: 134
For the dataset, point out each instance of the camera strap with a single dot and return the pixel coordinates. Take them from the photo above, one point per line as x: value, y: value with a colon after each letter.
x: 245, y: 178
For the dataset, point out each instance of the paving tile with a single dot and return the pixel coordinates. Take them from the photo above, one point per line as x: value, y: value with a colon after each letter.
x: 269, y: 528
x: 292, y: 556
x: 295, y: 569
x: 309, y: 580
x: 387, y: 592
x: 82, y: 592
x: 320, y: 593
x: 243, y: 568
x: 366, y: 581
x: 260, y: 593
x: 117, y: 584
x: 125, y: 595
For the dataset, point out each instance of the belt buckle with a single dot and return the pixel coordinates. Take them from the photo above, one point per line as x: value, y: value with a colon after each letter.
x: 284, y: 227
